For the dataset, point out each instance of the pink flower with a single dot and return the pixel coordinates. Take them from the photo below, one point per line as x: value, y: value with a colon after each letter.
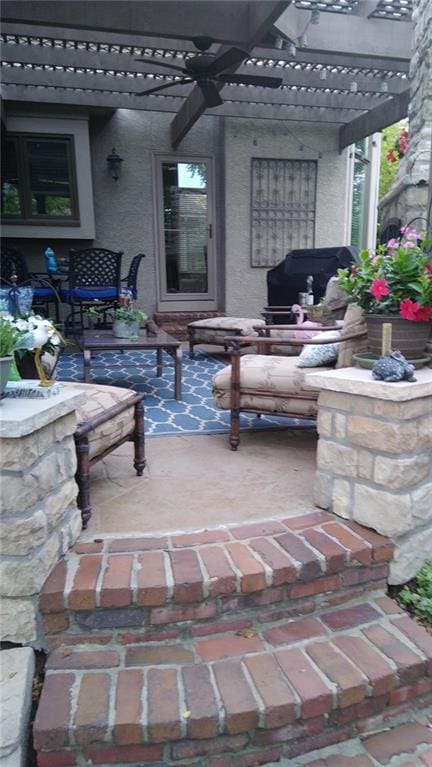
x: 393, y: 244
x: 411, y: 310
x: 379, y: 288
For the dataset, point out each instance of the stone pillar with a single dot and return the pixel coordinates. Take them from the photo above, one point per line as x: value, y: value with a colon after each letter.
x: 409, y: 196
x: 374, y: 460
x: 39, y: 518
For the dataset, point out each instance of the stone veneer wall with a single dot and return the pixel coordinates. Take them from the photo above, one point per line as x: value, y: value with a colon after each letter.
x: 39, y: 518
x: 409, y: 196
x: 374, y: 460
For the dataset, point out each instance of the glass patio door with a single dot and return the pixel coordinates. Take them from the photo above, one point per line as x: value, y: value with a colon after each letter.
x: 185, y: 234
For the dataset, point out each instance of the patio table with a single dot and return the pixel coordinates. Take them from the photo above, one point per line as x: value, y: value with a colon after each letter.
x: 104, y: 340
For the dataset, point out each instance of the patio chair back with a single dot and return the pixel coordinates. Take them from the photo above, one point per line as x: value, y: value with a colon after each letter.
x: 132, y: 275
x: 13, y: 263
x: 94, y: 274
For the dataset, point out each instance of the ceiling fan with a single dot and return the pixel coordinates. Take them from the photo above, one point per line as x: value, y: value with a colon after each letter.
x: 206, y: 70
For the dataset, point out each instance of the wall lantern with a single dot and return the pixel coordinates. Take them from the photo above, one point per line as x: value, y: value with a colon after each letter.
x: 114, y: 162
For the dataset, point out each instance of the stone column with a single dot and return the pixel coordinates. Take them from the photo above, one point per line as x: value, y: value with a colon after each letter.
x: 410, y: 193
x: 39, y: 518
x: 374, y: 460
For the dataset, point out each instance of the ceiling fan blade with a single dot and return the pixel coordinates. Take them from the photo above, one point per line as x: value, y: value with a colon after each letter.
x: 211, y: 94
x: 229, y: 58
x: 182, y: 81
x: 163, y: 64
x: 261, y: 81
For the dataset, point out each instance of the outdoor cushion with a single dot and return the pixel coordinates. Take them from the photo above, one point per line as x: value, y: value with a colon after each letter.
x: 215, y: 329
x: 320, y: 355
x: 89, y: 294
x: 267, y: 373
x: 98, y: 399
x: 353, y: 323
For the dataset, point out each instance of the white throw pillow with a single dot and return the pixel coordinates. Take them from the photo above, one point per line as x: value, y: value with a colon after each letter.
x: 313, y: 356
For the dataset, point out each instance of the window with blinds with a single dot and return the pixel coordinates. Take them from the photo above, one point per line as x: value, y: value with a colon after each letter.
x: 283, y: 208
x: 38, y: 179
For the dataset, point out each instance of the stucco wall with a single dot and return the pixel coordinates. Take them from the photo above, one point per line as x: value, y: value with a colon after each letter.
x: 124, y: 209
x: 246, y: 291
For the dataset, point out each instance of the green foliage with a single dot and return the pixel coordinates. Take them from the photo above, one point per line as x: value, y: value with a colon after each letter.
x: 129, y: 314
x: 388, y: 170
x: 9, y: 338
x: 396, y: 273
x: 418, y: 597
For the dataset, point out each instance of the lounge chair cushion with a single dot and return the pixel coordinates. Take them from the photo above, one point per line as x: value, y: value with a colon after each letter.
x: 98, y: 399
x: 354, y: 322
x: 215, y: 329
x: 266, y: 375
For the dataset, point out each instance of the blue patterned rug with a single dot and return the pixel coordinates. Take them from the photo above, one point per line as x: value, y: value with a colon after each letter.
x: 194, y: 414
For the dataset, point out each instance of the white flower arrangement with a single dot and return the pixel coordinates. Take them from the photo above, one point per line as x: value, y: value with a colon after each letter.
x: 36, y: 332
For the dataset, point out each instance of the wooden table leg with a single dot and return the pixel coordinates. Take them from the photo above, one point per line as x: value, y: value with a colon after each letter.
x: 159, y: 362
x: 178, y: 373
x: 87, y: 365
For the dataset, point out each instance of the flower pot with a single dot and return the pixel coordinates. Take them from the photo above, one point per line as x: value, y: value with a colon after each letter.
x: 27, y: 368
x: 5, y: 363
x: 122, y: 329
x: 408, y: 337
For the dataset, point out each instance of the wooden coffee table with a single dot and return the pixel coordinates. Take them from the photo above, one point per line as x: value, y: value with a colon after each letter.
x: 104, y: 340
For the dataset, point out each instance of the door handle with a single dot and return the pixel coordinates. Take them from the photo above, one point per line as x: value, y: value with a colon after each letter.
x: 210, y: 231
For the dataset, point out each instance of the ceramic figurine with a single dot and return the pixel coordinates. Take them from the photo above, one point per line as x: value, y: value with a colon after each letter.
x: 393, y: 367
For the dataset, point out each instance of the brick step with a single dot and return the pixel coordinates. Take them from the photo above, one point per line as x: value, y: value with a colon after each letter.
x: 408, y: 739
x: 177, y: 582
x: 240, y: 699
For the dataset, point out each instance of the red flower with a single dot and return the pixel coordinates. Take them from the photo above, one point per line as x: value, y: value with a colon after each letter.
x: 379, y: 288
x: 391, y: 155
x: 429, y: 270
x: 411, y: 310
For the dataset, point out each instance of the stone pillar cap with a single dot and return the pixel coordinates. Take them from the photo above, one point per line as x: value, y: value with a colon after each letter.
x: 20, y: 416
x: 360, y: 382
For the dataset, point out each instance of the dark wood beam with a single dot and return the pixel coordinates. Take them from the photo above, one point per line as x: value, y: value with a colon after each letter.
x: 258, y: 24
x: 387, y: 113
x: 106, y: 99
x: 232, y: 22
x: 131, y: 85
x: 351, y: 60
x: 125, y: 62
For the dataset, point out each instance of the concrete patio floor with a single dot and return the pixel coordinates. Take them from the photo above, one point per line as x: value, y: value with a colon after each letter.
x: 195, y: 482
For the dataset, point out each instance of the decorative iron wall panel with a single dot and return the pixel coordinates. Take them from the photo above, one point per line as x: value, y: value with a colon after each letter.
x: 283, y: 208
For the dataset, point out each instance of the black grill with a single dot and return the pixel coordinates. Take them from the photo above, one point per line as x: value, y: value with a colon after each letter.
x: 286, y: 280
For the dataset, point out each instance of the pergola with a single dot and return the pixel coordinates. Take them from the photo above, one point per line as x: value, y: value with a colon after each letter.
x: 346, y: 65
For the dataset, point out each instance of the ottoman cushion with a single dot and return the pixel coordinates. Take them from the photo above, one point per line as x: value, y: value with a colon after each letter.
x: 98, y: 399
x: 215, y: 329
x: 269, y: 374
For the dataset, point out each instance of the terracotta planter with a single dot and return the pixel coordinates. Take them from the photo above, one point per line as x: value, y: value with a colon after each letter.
x: 408, y: 337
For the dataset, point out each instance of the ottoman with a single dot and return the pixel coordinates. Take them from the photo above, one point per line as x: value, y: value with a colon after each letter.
x: 107, y: 417
x: 215, y: 329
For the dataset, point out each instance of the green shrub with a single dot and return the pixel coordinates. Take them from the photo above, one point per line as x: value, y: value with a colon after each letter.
x: 418, y: 597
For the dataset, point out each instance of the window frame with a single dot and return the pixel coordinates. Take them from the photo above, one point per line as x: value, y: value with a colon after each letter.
x: 26, y: 218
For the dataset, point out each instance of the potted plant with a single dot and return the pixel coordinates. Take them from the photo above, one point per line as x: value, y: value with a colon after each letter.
x: 127, y: 321
x: 394, y: 285
x: 38, y: 348
x: 9, y: 340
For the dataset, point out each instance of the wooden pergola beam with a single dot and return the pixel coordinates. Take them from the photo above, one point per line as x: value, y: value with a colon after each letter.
x: 130, y: 86
x: 108, y: 100
x: 125, y: 62
x: 233, y: 22
x: 387, y: 113
x: 258, y: 25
